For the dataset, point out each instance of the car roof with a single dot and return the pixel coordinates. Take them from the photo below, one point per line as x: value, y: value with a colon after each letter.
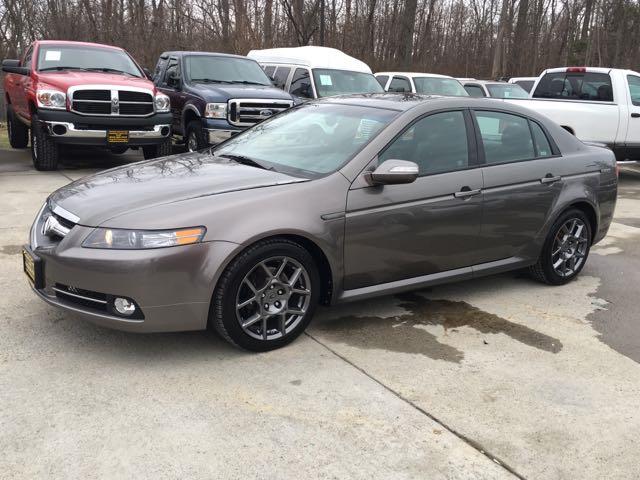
x: 415, y: 74
x: 182, y: 53
x: 312, y: 57
x: 79, y: 44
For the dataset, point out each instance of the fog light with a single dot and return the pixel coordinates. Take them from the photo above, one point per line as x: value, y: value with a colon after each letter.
x: 124, y: 306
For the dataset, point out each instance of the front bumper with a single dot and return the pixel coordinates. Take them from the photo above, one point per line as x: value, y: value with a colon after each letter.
x: 171, y: 286
x: 219, y: 130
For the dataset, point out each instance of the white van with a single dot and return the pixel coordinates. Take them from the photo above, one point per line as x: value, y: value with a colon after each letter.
x: 314, y: 72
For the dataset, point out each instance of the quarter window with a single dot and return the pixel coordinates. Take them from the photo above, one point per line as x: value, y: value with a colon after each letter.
x: 540, y: 140
x: 301, y: 84
x: 634, y: 89
x: 505, y: 137
x: 437, y: 143
x: 280, y: 77
x: 400, y: 84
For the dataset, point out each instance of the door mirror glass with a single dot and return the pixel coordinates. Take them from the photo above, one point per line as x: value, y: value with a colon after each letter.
x: 13, y: 66
x: 393, y: 172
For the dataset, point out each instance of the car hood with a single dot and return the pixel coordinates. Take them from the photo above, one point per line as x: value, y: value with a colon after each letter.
x: 106, y: 195
x: 71, y: 78
x: 222, y: 92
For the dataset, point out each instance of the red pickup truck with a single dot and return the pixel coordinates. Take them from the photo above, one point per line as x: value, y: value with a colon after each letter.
x: 83, y: 94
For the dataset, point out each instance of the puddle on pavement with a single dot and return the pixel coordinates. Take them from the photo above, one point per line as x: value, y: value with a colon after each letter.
x: 11, y: 249
x: 405, y: 333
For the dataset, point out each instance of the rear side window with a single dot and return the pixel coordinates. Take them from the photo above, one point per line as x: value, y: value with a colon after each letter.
x: 301, y: 84
x: 280, y: 77
x: 505, y: 137
x: 474, y: 90
x: 400, y: 84
x: 382, y: 80
x: 634, y: 89
x: 588, y: 86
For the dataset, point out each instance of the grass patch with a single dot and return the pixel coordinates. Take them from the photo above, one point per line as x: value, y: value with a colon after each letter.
x: 4, y: 139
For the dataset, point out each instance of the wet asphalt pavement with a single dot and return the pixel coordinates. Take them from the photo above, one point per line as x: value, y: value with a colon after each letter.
x: 499, y: 377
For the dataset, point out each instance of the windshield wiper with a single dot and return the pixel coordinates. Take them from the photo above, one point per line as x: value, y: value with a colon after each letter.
x: 62, y: 67
x: 110, y: 70
x: 209, y: 80
x: 245, y: 160
x: 247, y: 82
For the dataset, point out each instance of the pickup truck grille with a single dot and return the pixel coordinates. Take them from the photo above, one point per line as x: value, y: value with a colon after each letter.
x: 112, y: 102
x: 247, y: 112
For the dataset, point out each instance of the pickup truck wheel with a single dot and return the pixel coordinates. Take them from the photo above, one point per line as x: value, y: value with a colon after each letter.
x: 163, y: 149
x: 17, y: 131
x: 44, y: 151
x: 195, y: 137
x: 565, y: 250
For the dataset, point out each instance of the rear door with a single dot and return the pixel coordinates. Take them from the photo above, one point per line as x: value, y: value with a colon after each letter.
x: 395, y: 232
x: 522, y: 180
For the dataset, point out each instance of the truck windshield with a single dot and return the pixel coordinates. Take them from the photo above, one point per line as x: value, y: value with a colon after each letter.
x: 439, y: 86
x: 211, y: 68
x: 506, y: 90
x: 342, y: 82
x: 310, y: 140
x: 86, y: 57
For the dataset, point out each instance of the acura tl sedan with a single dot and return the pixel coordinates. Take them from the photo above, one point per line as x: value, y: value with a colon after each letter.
x: 334, y: 200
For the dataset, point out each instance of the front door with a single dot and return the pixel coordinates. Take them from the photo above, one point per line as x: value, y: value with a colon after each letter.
x: 395, y: 232
x: 171, y: 85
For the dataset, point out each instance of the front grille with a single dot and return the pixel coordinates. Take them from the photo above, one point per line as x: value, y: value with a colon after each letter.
x: 247, y: 112
x: 112, y: 102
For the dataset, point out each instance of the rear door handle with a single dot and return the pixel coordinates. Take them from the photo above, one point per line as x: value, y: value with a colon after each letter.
x: 466, y: 192
x: 550, y: 179
x: 635, y: 115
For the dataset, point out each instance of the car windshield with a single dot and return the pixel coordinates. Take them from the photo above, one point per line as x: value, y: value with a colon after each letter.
x: 86, y: 57
x: 439, y: 86
x: 310, y: 140
x: 225, y: 70
x: 342, y: 82
x: 506, y: 90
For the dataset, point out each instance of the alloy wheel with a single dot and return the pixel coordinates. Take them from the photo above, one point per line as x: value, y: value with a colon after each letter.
x: 569, y: 247
x: 192, y: 142
x: 273, y: 298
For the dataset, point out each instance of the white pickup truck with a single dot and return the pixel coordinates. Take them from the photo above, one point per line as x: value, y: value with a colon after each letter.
x: 600, y: 105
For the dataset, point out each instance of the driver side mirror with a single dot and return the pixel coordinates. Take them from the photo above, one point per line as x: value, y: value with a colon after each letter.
x: 13, y: 66
x: 393, y: 172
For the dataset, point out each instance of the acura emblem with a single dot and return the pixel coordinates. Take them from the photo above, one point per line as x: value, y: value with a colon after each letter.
x: 266, y: 113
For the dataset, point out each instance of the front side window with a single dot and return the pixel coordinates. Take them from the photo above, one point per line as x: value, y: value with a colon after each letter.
x: 439, y: 86
x: 474, y: 90
x: 221, y: 69
x: 382, y: 80
x: 590, y: 86
x: 437, y: 143
x: 269, y: 70
x: 53, y: 57
x: 506, y: 90
x: 301, y: 84
x: 172, y: 75
x: 280, y: 77
x: 310, y: 140
x: 400, y: 84
x: 505, y: 137
x: 634, y: 89
x: 342, y: 82
x: 27, y: 58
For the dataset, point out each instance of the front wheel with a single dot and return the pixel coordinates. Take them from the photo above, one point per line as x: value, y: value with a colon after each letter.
x: 266, y: 296
x: 162, y: 149
x: 565, y: 250
x: 195, y: 137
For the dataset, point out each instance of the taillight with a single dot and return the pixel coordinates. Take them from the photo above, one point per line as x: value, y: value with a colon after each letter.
x: 577, y: 70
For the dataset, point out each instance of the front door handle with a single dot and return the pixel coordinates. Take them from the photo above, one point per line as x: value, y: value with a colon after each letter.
x: 635, y: 115
x: 548, y: 178
x: 466, y: 192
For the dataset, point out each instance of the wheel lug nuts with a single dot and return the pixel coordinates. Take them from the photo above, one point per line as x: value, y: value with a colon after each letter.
x: 266, y: 306
x: 277, y: 304
x: 263, y: 295
x: 280, y: 292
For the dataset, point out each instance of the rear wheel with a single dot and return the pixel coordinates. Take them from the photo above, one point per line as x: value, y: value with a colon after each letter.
x: 163, y: 149
x: 195, y: 136
x: 44, y: 151
x: 16, y: 130
x: 565, y: 250
x: 267, y: 296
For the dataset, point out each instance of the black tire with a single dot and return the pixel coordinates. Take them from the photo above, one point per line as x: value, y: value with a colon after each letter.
x: 44, y: 151
x: 222, y: 313
x: 17, y: 131
x: 162, y: 149
x: 544, y: 269
x: 194, y: 139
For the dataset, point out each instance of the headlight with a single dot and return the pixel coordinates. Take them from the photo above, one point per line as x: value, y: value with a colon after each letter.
x: 216, y: 110
x: 51, y: 99
x: 141, y: 239
x: 162, y: 103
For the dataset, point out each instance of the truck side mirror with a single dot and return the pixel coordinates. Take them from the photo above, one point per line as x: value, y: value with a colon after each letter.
x: 13, y: 66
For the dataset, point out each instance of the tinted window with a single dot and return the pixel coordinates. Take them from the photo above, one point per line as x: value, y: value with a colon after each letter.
x: 157, y: 73
x: 173, y: 70
x: 474, y: 90
x: 526, y: 85
x: 280, y: 77
x: 439, y: 86
x: 506, y: 90
x: 506, y: 138
x: 382, y: 80
x: 27, y: 58
x: 634, y: 89
x: 60, y: 57
x: 543, y: 148
x: 269, y: 70
x: 437, y: 143
x: 301, y: 84
x: 575, y: 86
x: 399, y: 84
x: 342, y: 82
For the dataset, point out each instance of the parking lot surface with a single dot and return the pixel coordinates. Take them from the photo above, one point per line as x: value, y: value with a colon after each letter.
x: 499, y: 377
